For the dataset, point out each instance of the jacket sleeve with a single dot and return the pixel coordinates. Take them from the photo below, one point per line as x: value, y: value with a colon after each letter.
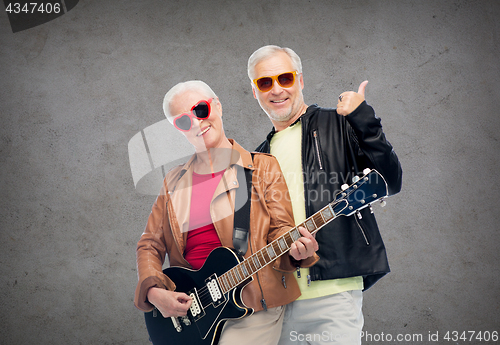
x: 151, y: 251
x: 368, y: 136
x: 280, y: 209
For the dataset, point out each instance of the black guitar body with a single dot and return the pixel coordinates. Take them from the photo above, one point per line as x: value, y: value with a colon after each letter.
x: 216, y: 300
x: 209, y: 311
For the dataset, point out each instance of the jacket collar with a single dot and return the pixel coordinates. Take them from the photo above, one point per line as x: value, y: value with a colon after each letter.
x: 239, y: 156
x: 181, y: 182
x: 310, y: 109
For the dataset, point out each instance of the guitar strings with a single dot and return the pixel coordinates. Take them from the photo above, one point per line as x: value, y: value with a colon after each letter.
x: 204, y: 294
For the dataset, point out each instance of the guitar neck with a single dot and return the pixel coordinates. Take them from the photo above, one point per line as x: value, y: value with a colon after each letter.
x: 278, y: 247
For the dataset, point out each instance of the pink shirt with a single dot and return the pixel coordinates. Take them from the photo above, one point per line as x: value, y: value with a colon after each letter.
x: 202, y: 236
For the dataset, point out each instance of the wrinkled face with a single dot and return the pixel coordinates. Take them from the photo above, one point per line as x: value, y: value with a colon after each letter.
x: 280, y: 104
x: 204, y: 133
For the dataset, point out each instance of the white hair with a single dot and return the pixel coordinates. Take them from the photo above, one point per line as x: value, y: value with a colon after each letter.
x: 183, y: 87
x: 266, y: 52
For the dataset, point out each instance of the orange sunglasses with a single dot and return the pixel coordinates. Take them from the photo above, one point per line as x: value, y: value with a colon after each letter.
x: 265, y: 84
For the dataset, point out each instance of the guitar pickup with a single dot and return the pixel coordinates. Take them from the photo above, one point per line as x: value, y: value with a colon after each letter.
x: 196, y: 308
x: 215, y: 291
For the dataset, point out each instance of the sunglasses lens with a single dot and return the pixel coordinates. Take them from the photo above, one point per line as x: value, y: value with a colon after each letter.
x: 265, y: 84
x: 286, y: 79
x: 183, y: 122
x: 201, y: 111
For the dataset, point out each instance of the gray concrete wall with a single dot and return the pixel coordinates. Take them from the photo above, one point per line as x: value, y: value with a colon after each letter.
x: 75, y: 90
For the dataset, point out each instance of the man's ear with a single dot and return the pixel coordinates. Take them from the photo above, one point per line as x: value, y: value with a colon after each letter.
x: 301, y: 81
x: 253, y: 91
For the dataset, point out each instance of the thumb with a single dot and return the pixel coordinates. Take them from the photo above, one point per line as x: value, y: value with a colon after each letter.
x: 361, y: 89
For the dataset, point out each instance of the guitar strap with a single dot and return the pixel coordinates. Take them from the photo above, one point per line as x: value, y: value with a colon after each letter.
x: 242, y: 207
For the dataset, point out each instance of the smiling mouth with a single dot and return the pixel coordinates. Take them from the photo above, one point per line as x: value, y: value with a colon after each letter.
x: 203, y: 131
x: 278, y: 101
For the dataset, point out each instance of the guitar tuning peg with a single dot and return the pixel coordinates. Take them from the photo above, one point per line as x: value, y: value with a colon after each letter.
x: 366, y: 171
x: 344, y: 186
x: 383, y: 203
x: 355, y: 179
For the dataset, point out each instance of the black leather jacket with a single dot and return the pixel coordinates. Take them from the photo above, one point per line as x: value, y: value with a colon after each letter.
x: 334, y: 149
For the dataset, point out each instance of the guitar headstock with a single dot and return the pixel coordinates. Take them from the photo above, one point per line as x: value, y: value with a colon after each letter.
x: 365, y: 191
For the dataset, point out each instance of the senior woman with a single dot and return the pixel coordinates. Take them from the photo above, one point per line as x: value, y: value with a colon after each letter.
x: 194, y: 214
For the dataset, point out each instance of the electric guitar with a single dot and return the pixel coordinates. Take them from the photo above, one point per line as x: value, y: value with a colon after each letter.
x: 215, y: 289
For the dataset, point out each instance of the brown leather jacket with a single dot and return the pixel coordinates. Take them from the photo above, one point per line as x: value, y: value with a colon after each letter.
x: 271, y: 216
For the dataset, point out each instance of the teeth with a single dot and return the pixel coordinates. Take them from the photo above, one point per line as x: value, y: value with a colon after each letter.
x: 204, y: 131
x: 280, y: 101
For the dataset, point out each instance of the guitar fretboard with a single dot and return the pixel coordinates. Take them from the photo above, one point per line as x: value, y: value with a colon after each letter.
x: 278, y: 247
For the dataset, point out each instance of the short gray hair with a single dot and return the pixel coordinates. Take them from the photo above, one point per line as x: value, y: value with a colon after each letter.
x: 266, y: 52
x: 183, y: 87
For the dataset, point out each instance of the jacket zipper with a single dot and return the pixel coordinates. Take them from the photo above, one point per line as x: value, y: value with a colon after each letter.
x: 176, y: 242
x: 316, y: 144
x: 362, y: 231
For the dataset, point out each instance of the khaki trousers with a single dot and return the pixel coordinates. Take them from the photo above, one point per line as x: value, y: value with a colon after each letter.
x: 334, y: 319
x: 261, y: 328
